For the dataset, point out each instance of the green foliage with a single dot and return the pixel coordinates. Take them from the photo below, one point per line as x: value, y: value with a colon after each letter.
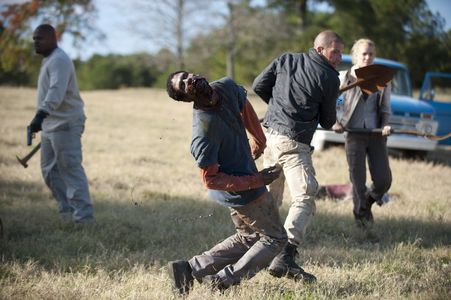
x: 115, y: 71
x: 263, y: 35
x: 251, y: 37
x: 17, y: 21
x: 406, y: 31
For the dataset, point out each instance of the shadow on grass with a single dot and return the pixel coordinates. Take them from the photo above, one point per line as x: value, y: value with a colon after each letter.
x: 158, y: 228
x: 442, y: 156
x: 342, y: 232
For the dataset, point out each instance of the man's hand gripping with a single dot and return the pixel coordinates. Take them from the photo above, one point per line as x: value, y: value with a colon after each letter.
x: 270, y: 174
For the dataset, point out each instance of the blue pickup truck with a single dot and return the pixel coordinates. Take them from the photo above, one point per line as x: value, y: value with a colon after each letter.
x: 407, y: 113
x: 440, y: 101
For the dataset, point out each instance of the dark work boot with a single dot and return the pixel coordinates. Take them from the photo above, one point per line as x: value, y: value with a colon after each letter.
x: 215, y: 283
x: 284, y: 265
x: 368, y: 215
x: 181, y: 277
x: 364, y: 217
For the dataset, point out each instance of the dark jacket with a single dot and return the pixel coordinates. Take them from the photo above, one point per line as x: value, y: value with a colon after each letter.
x: 301, y: 91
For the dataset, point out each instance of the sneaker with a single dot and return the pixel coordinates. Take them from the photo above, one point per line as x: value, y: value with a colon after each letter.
x: 385, y: 199
x: 181, y: 277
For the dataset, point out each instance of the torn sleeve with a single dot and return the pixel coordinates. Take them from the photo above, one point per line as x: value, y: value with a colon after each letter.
x: 215, y: 180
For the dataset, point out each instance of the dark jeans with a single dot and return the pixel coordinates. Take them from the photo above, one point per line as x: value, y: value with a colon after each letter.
x: 374, y: 148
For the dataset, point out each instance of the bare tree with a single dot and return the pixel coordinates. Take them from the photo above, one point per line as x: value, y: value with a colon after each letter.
x: 245, y: 25
x: 245, y: 35
x: 302, y: 14
x: 231, y: 40
x: 171, y: 23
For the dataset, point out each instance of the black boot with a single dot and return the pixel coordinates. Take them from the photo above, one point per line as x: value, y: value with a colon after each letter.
x: 181, y: 277
x: 364, y: 218
x: 368, y: 215
x: 284, y: 265
x: 215, y: 283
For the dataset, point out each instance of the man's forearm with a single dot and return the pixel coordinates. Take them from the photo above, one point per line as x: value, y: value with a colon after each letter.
x: 252, y: 124
x: 215, y: 180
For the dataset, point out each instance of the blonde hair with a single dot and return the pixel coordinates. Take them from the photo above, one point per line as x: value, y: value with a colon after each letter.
x: 356, y: 45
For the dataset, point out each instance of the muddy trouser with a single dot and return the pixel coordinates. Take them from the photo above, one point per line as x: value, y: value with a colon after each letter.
x: 373, y: 147
x: 259, y: 237
x: 61, y: 166
x: 296, y: 161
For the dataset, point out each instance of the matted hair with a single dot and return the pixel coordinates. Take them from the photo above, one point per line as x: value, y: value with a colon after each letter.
x: 176, y: 95
x: 356, y: 46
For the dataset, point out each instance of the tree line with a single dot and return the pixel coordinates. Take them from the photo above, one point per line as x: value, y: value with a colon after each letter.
x: 246, y: 40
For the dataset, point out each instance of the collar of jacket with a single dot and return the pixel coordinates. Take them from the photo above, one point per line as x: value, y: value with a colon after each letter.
x: 314, y: 55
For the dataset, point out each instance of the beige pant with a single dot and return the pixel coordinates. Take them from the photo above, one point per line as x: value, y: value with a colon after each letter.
x: 296, y: 161
x: 259, y: 238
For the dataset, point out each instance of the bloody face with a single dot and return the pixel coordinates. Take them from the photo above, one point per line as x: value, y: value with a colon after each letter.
x: 193, y: 86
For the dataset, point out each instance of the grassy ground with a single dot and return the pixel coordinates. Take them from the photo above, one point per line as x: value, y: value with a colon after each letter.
x: 152, y: 208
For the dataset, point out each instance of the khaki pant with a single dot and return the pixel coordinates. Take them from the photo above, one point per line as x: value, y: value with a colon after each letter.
x: 296, y: 160
x: 259, y: 237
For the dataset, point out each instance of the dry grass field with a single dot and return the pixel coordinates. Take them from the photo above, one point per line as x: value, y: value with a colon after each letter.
x: 151, y: 208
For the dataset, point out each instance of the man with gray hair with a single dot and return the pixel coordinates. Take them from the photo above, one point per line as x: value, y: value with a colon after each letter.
x: 301, y: 91
x: 60, y: 116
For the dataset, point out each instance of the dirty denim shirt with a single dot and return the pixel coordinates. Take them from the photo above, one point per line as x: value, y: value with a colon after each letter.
x: 219, y: 137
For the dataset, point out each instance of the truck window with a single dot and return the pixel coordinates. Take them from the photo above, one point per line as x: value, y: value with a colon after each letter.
x: 401, y: 84
x: 441, y: 89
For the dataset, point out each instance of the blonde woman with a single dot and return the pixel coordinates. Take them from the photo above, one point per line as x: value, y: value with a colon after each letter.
x: 359, y: 111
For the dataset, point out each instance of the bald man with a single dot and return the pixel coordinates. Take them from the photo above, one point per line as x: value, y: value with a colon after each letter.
x: 60, y: 115
x: 301, y: 91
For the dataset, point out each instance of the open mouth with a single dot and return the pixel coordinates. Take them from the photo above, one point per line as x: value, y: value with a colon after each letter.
x: 199, y: 83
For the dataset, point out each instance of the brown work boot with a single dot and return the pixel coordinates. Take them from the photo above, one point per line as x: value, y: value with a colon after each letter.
x: 284, y: 265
